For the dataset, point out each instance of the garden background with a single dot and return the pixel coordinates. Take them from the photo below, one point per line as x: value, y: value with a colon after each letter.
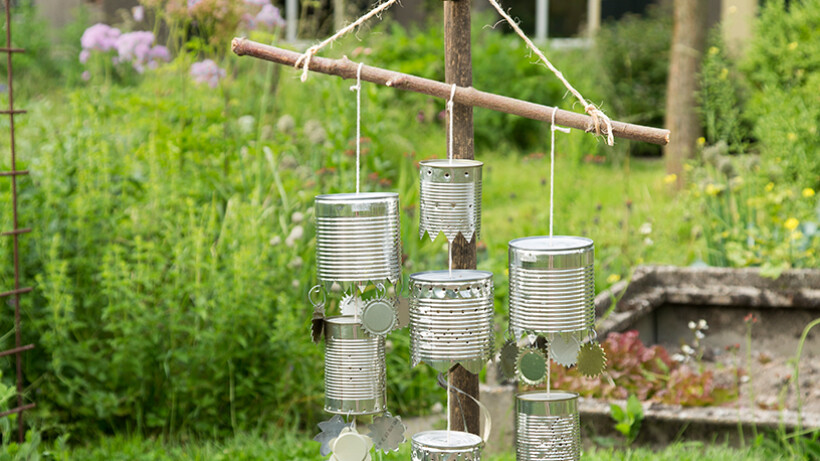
x: 171, y: 194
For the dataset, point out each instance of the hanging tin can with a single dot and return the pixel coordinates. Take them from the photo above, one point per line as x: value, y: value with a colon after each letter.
x: 354, y: 368
x: 451, y: 318
x: 450, y: 198
x: 358, y: 238
x: 446, y: 446
x: 547, y: 426
x: 552, y: 287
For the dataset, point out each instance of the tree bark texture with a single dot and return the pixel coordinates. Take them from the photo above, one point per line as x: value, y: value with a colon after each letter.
x: 458, y: 69
x: 688, y: 41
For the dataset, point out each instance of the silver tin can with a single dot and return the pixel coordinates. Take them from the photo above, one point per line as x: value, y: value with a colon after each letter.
x: 547, y: 426
x: 354, y: 369
x: 451, y: 319
x: 450, y: 198
x: 445, y: 446
x: 358, y: 238
x: 552, y: 286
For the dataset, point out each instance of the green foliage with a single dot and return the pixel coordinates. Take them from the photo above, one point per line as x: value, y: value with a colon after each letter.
x: 634, y: 58
x: 628, y: 419
x: 783, y: 70
x: 647, y: 373
x: 722, y: 99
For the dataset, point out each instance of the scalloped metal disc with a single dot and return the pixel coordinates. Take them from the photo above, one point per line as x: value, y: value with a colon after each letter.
x: 531, y: 366
x: 564, y: 349
x: 507, y: 358
x: 591, y: 359
x: 387, y: 432
x: 379, y: 317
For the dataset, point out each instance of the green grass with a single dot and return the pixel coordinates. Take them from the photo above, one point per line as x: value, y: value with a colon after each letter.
x: 299, y: 447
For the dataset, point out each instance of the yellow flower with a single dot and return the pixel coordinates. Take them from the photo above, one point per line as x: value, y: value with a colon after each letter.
x: 808, y: 192
x: 724, y: 234
x: 701, y: 141
x: 769, y: 187
x: 724, y: 73
x: 793, y: 46
x: 714, y: 50
x: 791, y: 137
x: 791, y: 224
x: 670, y: 178
x: 613, y: 278
x: 713, y: 190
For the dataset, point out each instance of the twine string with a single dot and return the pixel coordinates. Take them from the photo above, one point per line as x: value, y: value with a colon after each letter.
x: 304, y: 60
x: 450, y: 106
x: 597, y: 115
x: 553, y: 129
x: 358, y: 89
x: 488, y: 421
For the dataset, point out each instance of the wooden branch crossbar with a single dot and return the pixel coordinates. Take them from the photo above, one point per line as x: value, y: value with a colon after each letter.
x: 346, y: 68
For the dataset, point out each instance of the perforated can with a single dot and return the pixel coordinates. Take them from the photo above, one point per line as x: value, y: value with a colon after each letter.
x: 446, y: 446
x: 358, y: 238
x: 451, y: 318
x: 547, y: 426
x: 450, y: 198
x: 552, y: 286
x: 354, y: 368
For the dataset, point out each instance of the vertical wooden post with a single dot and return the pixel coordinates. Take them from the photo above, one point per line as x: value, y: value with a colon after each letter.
x: 458, y: 69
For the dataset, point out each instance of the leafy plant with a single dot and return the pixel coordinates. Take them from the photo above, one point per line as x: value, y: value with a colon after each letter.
x: 648, y: 373
x: 628, y: 419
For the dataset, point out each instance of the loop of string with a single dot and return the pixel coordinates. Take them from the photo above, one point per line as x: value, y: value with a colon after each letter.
x: 488, y: 422
x: 597, y: 115
x: 553, y: 129
x: 358, y: 89
x: 304, y: 60
x: 450, y: 106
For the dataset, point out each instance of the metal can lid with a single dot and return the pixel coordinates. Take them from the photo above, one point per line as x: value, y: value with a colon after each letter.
x: 448, y: 277
x: 558, y: 244
x: 447, y: 440
x: 557, y: 252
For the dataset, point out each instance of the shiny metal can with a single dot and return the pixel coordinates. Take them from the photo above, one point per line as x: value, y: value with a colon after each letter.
x: 451, y: 319
x: 450, y: 198
x: 445, y: 446
x: 354, y: 368
x: 547, y: 426
x: 552, y: 286
x: 358, y: 238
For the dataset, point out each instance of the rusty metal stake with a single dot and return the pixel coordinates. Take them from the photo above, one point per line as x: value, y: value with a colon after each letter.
x: 15, y: 233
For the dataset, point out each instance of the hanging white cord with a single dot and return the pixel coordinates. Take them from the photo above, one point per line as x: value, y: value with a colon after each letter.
x: 449, y: 422
x: 450, y: 257
x: 450, y: 110
x: 553, y: 128
x: 358, y: 89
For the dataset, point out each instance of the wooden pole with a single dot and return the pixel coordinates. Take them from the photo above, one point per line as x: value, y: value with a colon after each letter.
x: 346, y: 68
x: 458, y: 69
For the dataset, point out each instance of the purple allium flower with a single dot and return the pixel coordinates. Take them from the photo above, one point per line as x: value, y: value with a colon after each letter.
x: 86, y: 76
x: 159, y: 53
x: 249, y: 20
x: 136, y: 48
x: 207, y: 72
x: 84, y: 55
x: 269, y: 16
x: 100, y: 37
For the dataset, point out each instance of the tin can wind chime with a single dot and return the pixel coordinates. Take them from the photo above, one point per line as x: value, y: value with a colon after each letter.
x: 451, y: 311
x: 358, y: 253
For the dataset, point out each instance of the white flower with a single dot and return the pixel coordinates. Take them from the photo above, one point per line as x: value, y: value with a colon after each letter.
x: 276, y: 240
x: 295, y: 263
x: 678, y: 357
x: 648, y: 241
x: 646, y: 228
x: 699, y: 334
x: 687, y: 349
x: 297, y: 217
x: 702, y: 325
x: 246, y: 123
x: 295, y: 283
x: 692, y: 325
x: 295, y: 234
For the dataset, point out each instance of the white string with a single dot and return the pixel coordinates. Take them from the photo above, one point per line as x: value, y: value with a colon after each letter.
x: 358, y: 89
x: 553, y: 129
x: 450, y: 256
x: 449, y: 412
x: 450, y: 106
x: 310, y: 52
x: 593, y: 110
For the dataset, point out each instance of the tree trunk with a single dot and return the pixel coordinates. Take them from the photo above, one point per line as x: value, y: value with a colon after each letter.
x: 688, y: 41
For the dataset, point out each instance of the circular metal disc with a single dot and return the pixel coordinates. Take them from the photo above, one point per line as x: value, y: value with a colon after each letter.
x: 509, y: 353
x: 591, y: 359
x: 532, y: 366
x: 564, y: 349
x: 379, y: 317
